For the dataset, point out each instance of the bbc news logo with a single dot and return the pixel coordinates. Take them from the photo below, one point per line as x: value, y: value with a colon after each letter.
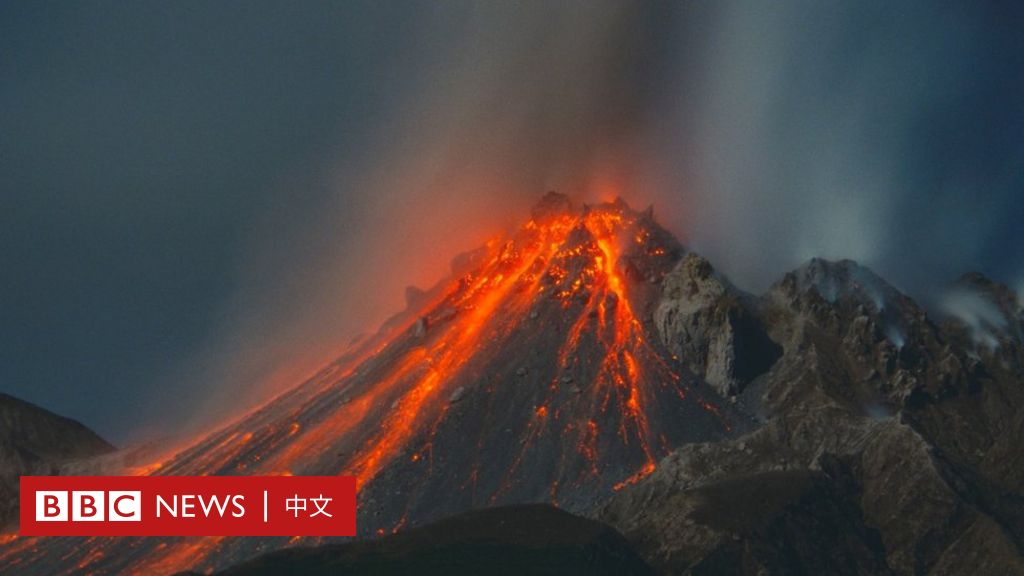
x: 188, y: 506
x: 88, y: 506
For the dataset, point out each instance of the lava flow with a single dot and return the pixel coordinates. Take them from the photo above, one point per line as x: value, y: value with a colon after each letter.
x: 532, y: 374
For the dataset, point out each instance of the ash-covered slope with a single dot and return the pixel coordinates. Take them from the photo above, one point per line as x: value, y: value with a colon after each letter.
x: 890, y: 443
x: 36, y: 441
x: 534, y: 374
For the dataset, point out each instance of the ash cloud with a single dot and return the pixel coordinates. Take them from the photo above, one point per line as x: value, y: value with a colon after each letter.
x: 498, y: 103
x: 764, y: 135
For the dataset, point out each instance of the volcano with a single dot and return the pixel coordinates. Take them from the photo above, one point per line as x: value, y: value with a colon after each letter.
x: 534, y: 373
x: 831, y: 425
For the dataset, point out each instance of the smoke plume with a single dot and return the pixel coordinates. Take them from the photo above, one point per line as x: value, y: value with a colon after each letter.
x: 763, y: 134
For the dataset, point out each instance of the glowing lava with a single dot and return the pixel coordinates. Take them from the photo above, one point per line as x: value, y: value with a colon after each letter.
x: 529, y: 375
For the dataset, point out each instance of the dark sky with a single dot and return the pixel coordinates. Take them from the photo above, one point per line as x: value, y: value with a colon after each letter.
x: 140, y: 141
x: 193, y: 193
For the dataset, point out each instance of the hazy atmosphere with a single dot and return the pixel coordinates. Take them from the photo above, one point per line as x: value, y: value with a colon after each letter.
x: 201, y: 202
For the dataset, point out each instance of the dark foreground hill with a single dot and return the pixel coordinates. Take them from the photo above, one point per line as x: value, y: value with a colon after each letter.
x: 513, y: 541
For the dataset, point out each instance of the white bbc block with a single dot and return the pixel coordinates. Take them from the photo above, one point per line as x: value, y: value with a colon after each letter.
x: 88, y: 506
x: 124, y: 506
x: 51, y: 506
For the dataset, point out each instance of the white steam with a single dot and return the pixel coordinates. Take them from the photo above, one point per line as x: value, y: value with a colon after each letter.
x: 826, y: 129
x: 980, y: 315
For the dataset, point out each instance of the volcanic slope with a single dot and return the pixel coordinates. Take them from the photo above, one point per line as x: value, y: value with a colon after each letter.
x: 533, y: 374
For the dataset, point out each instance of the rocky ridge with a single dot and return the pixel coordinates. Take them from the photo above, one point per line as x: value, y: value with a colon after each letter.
x: 889, y: 443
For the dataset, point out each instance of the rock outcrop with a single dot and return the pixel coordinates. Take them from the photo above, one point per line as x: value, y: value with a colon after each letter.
x: 37, y: 441
x: 703, y: 320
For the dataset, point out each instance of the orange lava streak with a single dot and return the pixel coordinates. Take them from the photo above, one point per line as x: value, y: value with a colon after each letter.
x: 619, y: 363
x: 347, y: 416
x: 13, y: 548
x: 588, y: 446
x: 621, y: 334
x: 172, y: 557
x: 450, y: 356
x: 644, y: 472
x: 219, y: 455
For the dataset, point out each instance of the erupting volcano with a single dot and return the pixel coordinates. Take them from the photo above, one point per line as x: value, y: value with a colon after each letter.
x: 534, y: 373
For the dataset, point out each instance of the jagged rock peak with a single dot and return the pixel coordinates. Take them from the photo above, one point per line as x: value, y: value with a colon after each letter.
x: 703, y: 320
x: 699, y: 278
x: 843, y: 295
x: 552, y: 204
x: 843, y: 279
